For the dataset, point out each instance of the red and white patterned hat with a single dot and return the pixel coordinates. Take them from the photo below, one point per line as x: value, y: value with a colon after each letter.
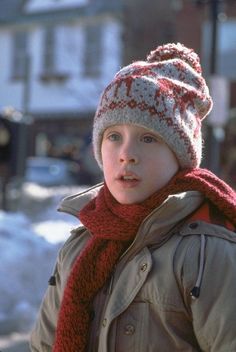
x: 166, y: 94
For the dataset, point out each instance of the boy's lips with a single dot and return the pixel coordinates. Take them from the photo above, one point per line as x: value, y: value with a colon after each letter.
x: 128, y: 176
x: 128, y: 179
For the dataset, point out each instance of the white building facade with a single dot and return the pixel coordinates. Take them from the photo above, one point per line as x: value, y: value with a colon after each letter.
x: 57, y: 56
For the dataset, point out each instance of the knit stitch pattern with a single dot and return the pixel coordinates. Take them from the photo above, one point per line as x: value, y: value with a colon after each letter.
x: 114, y: 227
x: 166, y: 94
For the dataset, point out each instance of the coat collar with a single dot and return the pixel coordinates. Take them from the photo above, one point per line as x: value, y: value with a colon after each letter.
x: 183, y: 201
x: 160, y: 221
x: 74, y: 203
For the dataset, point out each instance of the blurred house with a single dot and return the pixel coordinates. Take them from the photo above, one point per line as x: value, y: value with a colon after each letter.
x: 56, y: 57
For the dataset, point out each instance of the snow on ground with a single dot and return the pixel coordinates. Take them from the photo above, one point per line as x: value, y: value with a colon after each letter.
x: 29, y: 241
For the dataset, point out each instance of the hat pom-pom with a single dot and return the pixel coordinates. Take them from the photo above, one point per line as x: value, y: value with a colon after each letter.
x: 175, y: 51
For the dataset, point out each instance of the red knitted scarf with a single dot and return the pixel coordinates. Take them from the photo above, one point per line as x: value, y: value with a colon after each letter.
x: 114, y: 227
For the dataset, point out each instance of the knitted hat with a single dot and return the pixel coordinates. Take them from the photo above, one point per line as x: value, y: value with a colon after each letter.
x: 166, y: 94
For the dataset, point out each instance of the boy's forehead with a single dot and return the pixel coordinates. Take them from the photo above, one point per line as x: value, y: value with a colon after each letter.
x: 135, y: 127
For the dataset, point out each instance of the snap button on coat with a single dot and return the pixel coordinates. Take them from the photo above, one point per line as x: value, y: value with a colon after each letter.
x: 143, y: 267
x: 129, y: 329
x: 193, y: 225
x: 104, y: 322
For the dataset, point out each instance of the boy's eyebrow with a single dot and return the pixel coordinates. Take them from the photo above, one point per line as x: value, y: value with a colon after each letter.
x: 157, y: 135
x: 111, y: 128
x: 108, y: 130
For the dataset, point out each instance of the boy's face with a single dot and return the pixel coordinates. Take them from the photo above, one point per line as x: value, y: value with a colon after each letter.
x: 136, y: 162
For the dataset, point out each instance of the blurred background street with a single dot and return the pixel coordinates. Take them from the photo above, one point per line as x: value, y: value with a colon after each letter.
x: 56, y: 58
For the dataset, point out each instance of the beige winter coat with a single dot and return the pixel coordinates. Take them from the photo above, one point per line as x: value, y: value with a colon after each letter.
x: 147, y: 306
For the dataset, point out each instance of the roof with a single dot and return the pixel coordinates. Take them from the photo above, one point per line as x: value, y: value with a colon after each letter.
x: 9, y: 10
x: 12, y: 11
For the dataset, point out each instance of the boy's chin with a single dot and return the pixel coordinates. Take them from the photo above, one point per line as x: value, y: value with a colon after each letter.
x: 129, y: 199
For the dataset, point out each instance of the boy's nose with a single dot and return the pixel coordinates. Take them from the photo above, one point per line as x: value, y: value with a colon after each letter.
x: 128, y: 156
x: 129, y: 160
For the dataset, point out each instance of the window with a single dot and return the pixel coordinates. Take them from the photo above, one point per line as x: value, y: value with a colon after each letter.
x: 226, y: 49
x: 93, y: 50
x: 51, y: 70
x: 49, y: 50
x: 19, y: 54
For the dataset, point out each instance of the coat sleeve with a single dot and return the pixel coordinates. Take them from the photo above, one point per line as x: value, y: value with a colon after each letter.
x: 43, y: 333
x: 214, y: 311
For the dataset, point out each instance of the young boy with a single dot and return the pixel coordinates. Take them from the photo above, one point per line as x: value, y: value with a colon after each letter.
x: 152, y: 268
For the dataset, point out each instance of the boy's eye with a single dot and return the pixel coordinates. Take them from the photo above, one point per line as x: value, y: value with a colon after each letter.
x: 113, y: 137
x: 148, y: 139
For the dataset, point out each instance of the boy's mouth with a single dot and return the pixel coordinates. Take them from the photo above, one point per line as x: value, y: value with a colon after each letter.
x: 129, y: 178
